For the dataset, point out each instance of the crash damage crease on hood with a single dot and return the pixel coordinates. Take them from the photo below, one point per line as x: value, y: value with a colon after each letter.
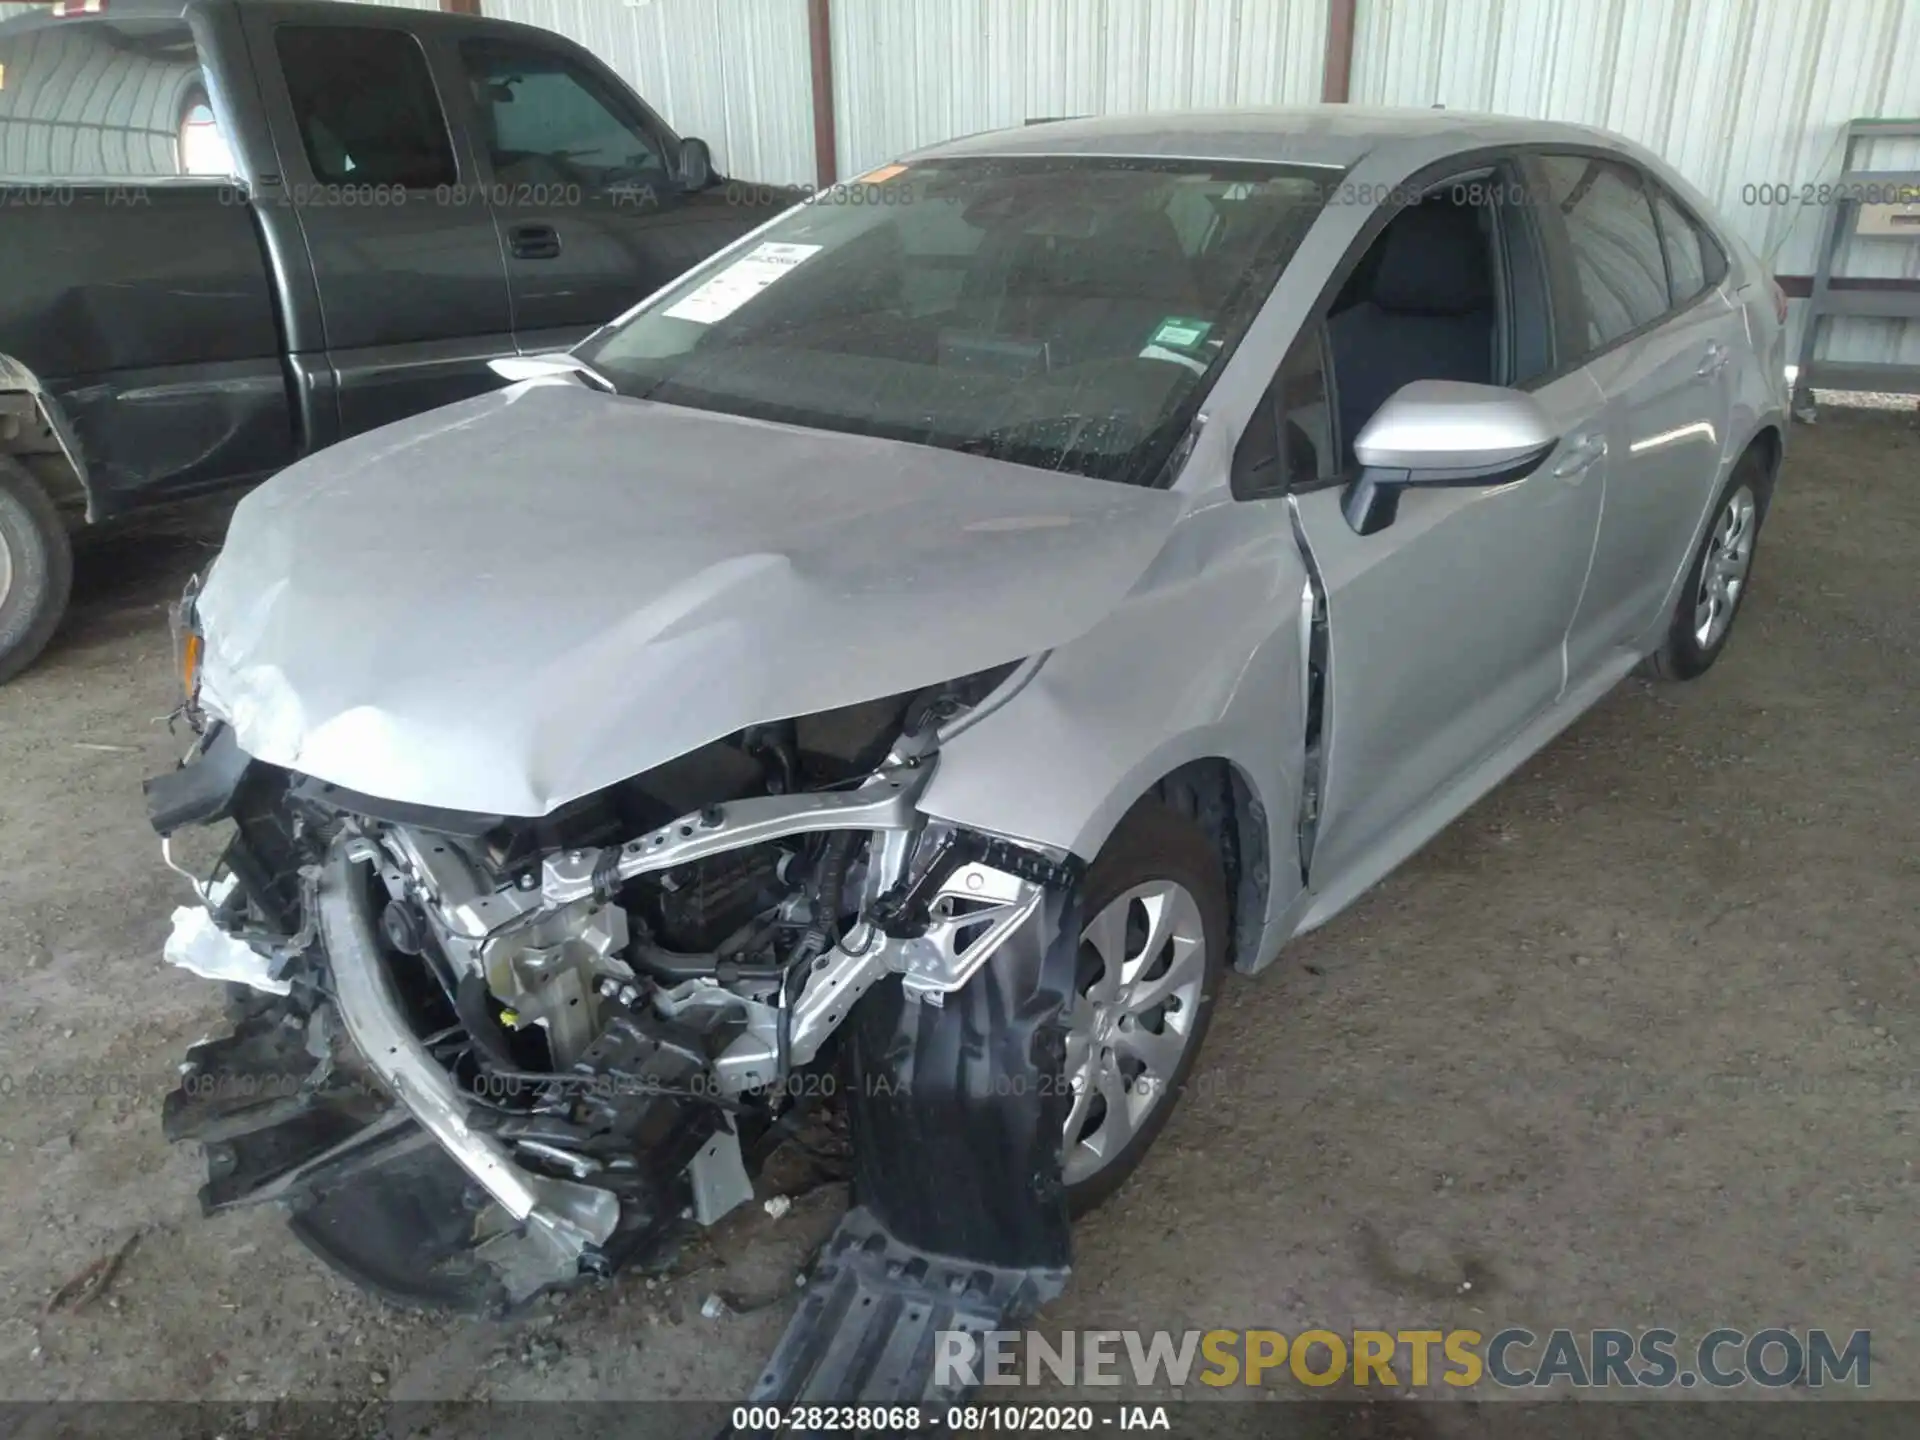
x: 521, y: 599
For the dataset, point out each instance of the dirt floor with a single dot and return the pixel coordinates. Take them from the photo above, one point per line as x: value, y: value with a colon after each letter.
x: 1631, y: 1044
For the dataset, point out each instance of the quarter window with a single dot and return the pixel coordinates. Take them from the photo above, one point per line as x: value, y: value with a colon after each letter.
x: 1694, y: 261
x: 365, y: 106
x: 1288, y: 442
x: 546, y: 121
x: 1616, y: 246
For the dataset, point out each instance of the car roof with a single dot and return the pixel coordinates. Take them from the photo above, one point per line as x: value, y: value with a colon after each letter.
x: 1323, y: 135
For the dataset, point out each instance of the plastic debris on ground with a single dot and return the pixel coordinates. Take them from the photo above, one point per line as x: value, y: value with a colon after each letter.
x: 196, y: 943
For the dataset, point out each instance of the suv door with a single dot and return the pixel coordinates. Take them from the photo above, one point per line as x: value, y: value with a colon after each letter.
x: 1658, y: 335
x: 413, y: 295
x: 584, y: 186
x: 1446, y: 629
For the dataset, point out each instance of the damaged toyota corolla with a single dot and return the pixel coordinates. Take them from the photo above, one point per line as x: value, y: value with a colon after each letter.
x: 902, y: 666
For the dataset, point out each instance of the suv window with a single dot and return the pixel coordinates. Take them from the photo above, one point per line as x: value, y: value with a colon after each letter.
x: 1616, y: 246
x: 547, y: 121
x: 365, y: 106
x: 85, y: 99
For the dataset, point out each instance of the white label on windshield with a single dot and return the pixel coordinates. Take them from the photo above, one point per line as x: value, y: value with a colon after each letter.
x: 740, y: 282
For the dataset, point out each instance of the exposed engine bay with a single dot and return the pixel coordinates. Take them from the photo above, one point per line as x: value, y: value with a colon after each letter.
x: 511, y: 1053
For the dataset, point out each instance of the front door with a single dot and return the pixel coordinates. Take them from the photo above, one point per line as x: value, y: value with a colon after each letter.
x: 1446, y: 629
x: 585, y: 190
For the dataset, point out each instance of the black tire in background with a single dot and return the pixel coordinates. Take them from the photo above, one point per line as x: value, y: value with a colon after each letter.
x: 1157, y: 843
x: 1681, y: 656
x: 36, y: 570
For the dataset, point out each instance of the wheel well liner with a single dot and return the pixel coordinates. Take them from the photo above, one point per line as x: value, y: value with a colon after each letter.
x: 1215, y: 795
x: 1772, y: 445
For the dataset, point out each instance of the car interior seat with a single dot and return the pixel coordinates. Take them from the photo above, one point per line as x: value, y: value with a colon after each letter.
x: 1423, y: 310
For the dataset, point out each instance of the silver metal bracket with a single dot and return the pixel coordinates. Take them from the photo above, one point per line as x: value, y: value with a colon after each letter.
x: 719, y: 1177
x: 973, y: 913
x: 885, y: 802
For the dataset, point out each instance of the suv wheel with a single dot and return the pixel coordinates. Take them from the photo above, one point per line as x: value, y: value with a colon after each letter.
x: 36, y: 569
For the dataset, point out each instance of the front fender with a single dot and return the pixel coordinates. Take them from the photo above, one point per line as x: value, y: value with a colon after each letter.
x: 1204, y: 660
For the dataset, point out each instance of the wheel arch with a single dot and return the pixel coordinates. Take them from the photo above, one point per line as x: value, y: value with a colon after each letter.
x: 1219, y: 797
x: 35, y: 432
x: 1770, y: 442
x: 1223, y: 795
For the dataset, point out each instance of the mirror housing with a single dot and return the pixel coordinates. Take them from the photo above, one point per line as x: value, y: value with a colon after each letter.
x: 695, y: 164
x: 1443, y: 433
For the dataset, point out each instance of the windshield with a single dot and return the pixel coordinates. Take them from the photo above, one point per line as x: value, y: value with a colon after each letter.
x: 1068, y: 313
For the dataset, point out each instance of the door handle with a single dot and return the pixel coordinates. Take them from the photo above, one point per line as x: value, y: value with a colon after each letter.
x: 534, y: 242
x: 1582, y: 452
x: 1715, y: 360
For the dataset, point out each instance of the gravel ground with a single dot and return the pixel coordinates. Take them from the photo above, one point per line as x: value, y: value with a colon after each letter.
x: 1632, y: 1043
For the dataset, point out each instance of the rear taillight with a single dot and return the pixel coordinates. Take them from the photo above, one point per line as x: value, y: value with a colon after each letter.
x: 80, y: 7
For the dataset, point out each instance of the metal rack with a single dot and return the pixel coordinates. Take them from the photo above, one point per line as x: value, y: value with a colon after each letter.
x: 1893, y: 299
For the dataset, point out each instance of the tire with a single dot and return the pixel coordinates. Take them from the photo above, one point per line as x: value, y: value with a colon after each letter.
x: 36, y: 569
x: 1154, y: 853
x: 1686, y: 653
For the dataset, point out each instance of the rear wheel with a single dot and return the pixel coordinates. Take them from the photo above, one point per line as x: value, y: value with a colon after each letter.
x: 1151, y: 956
x: 1716, y: 582
x: 36, y: 569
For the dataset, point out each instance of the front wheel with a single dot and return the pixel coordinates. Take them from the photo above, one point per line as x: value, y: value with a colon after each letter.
x: 1716, y: 582
x: 36, y: 569
x: 1151, y: 957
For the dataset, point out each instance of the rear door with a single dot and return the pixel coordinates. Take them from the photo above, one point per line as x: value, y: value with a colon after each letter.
x: 583, y: 184
x: 1446, y: 629
x: 413, y: 293
x: 1659, y: 336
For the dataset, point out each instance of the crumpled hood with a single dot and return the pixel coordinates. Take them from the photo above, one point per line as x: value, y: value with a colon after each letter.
x: 523, y: 598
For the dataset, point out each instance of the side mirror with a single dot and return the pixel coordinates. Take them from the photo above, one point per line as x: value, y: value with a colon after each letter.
x: 695, y: 164
x: 1443, y: 432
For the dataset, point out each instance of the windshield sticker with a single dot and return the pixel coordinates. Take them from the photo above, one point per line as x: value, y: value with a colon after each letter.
x: 1176, y: 332
x: 1160, y: 352
x: 740, y: 282
x: 884, y: 173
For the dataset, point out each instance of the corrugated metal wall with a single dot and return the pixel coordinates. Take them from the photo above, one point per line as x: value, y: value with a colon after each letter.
x: 1735, y: 93
x: 77, y: 106
x: 734, y: 72
x: 912, y: 72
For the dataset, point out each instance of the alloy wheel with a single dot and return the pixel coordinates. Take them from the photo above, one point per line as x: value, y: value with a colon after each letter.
x: 1723, y: 574
x: 1142, y: 963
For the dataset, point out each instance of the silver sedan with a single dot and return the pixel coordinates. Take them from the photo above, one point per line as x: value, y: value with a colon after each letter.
x: 940, y: 637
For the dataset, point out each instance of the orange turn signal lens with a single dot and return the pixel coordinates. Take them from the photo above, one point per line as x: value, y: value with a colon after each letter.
x: 190, y: 648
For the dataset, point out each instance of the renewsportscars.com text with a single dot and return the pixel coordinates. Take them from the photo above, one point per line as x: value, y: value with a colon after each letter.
x: 1513, y: 1358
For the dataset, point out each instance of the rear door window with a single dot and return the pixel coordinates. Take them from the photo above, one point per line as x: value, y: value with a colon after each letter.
x: 365, y: 105
x: 109, y: 99
x: 1622, y: 272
